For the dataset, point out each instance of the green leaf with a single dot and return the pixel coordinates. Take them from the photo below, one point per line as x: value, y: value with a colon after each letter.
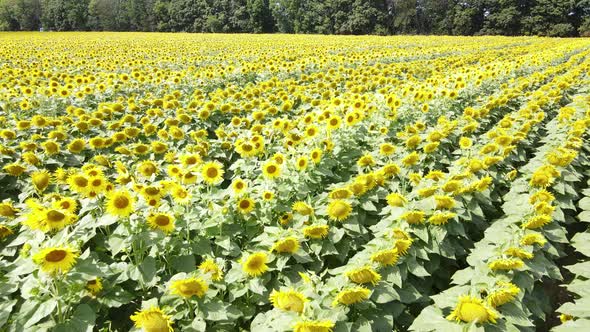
x: 42, y: 310
x: 5, y: 310
x: 384, y: 293
x: 584, y: 203
x: 148, y: 270
x: 82, y: 320
x: 214, y: 311
x: 581, y: 242
x: 584, y: 216
x: 186, y: 263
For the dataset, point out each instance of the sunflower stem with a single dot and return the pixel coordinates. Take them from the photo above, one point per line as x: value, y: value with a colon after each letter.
x: 58, y: 300
x: 191, y: 311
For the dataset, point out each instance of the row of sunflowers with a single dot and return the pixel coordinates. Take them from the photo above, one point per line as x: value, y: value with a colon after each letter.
x: 249, y: 182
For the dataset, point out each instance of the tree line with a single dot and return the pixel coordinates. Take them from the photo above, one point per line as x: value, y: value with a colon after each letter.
x: 383, y: 17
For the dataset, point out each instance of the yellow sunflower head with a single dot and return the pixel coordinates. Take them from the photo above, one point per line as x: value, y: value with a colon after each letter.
x: 351, y: 296
x: 472, y: 309
x: 289, y: 300
x: 255, y: 264
x: 56, y: 260
x: 212, y: 172
x: 189, y: 287
x: 120, y: 203
x: 152, y: 320
x: 339, y: 209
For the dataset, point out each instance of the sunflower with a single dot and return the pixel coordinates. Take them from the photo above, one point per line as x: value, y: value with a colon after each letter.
x: 302, y: 163
x: 471, y: 309
x: 152, y: 320
x: 411, y: 159
x: 397, y: 200
x: 289, y: 300
x: 79, y: 183
x: 441, y: 218
x: 120, y: 203
x: 212, y: 172
x: 533, y: 238
x: 505, y: 293
x: 239, y: 186
x: 56, y: 260
x: 302, y: 208
x: 7, y: 210
x: 364, y: 275
x: 413, y: 217
x: 340, y: 193
x: 444, y: 202
x: 14, y: 169
x: 94, y: 286
x: 316, y: 231
x: 386, y: 257
x: 180, y: 195
x: 286, y: 218
x: 189, y: 287
x: 506, y: 264
x: 314, y: 326
x: 541, y: 196
x: 147, y: 168
x: 316, y: 155
x: 339, y: 210
x: 161, y: 221
x: 5, y: 231
x: 255, y: 264
x: 386, y: 149
x: 537, y: 222
x: 271, y: 169
x: 518, y: 252
x: 334, y: 122
x: 41, y: 180
x: 287, y: 245
x: 268, y: 195
x: 210, y: 267
x: 246, y: 205
x: 351, y: 296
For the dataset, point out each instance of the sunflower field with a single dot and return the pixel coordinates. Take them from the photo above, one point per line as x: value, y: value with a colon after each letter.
x: 201, y: 182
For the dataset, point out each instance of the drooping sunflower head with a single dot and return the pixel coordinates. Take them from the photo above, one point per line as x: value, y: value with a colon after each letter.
x: 506, y: 264
x: 287, y: 245
x: 7, y: 209
x: 386, y: 257
x: 316, y: 231
x: 504, y: 293
x: 364, y: 275
x: 413, y: 217
x: 314, y: 326
x: 472, y: 309
x: 351, y: 296
x: 56, y: 260
x: 152, y: 320
x: 302, y: 208
x: 289, y: 300
x: 189, y: 287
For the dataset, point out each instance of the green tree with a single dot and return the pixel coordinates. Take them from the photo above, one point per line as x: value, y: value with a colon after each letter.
x: 64, y: 15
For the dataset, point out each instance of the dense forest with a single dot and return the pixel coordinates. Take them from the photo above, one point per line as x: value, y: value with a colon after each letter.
x: 383, y: 17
